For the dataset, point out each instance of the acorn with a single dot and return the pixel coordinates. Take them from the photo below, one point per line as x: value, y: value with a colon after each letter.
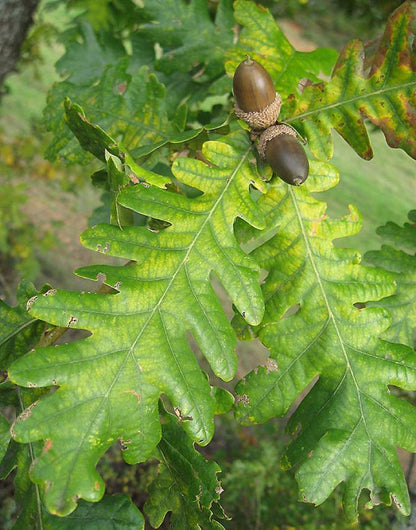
x: 281, y: 149
x: 256, y: 101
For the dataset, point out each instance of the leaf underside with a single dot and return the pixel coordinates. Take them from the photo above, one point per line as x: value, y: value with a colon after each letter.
x: 348, y: 424
x: 18, y: 330
x: 129, y: 106
x: 187, y: 484
x: 99, y: 143
x: 111, y: 381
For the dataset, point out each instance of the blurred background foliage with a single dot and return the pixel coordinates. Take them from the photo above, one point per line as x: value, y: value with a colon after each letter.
x: 44, y: 205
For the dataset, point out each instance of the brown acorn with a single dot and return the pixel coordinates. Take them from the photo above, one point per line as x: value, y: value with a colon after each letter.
x: 279, y: 146
x: 256, y: 101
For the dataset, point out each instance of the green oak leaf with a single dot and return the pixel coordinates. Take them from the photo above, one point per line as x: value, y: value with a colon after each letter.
x: 187, y: 484
x: 402, y: 237
x: 400, y: 258
x: 131, y: 108
x: 4, y: 436
x: 88, y: 55
x: 19, y: 331
x: 112, y: 512
x: 224, y: 400
x: 189, y: 38
x: 386, y: 96
x: 110, y: 383
x: 97, y: 141
x: 190, y: 65
x: 262, y: 39
x: 348, y: 425
x: 107, y: 15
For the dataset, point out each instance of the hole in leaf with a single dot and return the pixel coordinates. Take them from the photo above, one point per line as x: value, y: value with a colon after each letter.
x: 291, y: 311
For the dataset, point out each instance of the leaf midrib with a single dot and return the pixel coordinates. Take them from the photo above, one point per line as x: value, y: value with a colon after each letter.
x: 331, y: 316
x: 17, y: 330
x: 157, y: 307
x: 350, y: 101
x: 182, y: 263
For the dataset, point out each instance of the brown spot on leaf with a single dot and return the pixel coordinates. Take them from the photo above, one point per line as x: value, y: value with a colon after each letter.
x: 121, y: 88
x: 72, y: 321
x: 30, y: 302
x: 48, y: 445
x: 138, y: 396
x: 219, y: 489
x: 27, y: 412
x: 271, y: 366
x: 243, y: 398
x: 303, y: 83
x: 124, y: 443
x: 180, y: 416
x: 315, y: 227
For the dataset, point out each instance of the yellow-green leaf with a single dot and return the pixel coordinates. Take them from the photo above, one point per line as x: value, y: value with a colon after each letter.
x: 385, y: 96
x: 348, y: 425
x: 399, y: 257
x: 110, y: 383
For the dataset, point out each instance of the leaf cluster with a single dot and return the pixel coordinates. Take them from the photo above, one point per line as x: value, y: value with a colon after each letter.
x: 190, y: 202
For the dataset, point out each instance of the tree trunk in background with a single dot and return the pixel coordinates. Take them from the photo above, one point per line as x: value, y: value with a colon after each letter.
x: 15, y: 20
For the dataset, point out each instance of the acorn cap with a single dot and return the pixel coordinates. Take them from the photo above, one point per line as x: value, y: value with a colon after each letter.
x: 263, y: 118
x: 270, y: 133
x: 281, y: 149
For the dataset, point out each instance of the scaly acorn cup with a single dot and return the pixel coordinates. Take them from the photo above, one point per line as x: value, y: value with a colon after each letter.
x: 281, y: 149
x: 256, y: 101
